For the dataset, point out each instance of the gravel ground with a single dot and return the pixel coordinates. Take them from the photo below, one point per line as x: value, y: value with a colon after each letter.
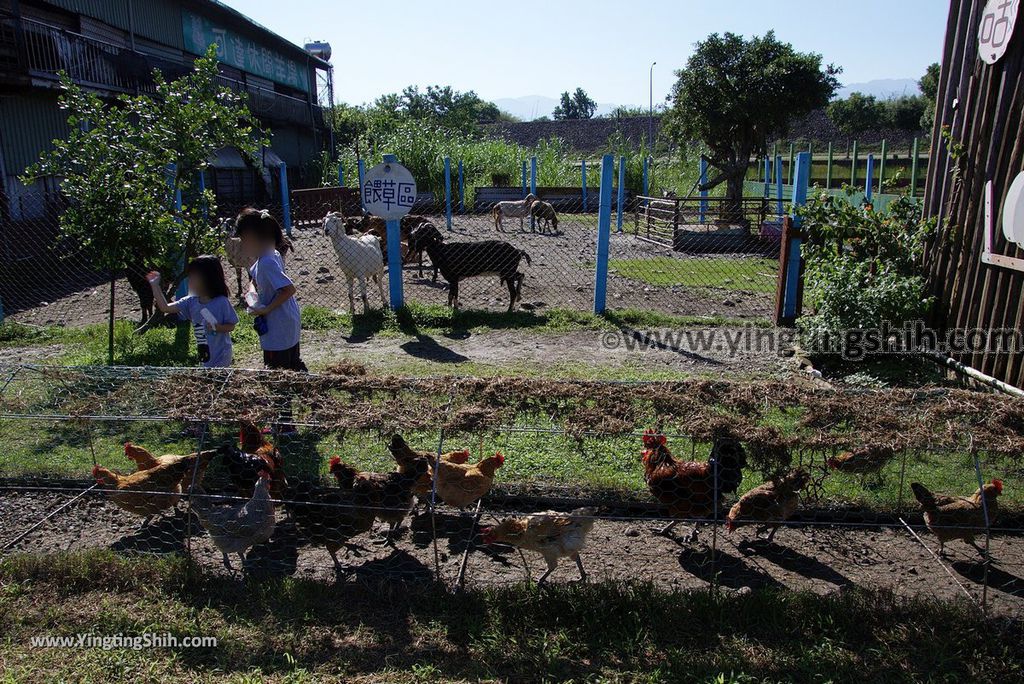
x: 820, y: 558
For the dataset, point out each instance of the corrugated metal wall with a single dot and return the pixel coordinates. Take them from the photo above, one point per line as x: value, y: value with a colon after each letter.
x: 158, y: 20
x: 983, y: 106
x: 28, y: 125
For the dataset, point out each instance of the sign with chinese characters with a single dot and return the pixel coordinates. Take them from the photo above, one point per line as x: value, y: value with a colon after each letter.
x: 389, y: 191
x: 996, y: 29
x: 241, y: 52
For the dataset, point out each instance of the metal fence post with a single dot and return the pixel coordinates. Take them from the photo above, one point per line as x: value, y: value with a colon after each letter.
x: 183, y: 284
x: 703, y: 167
x: 533, y: 186
x: 583, y: 183
x: 913, y: 168
x: 646, y: 188
x: 462, y: 190
x: 361, y: 169
x: 447, y: 192
x: 604, y: 229
x: 394, y: 238
x: 778, y: 184
x: 828, y: 169
x: 524, y: 178
x: 881, y: 167
x: 792, y: 153
x: 202, y: 191
x: 621, y: 198
x: 869, y: 178
x: 341, y: 175
x: 853, y: 166
x: 286, y: 209
x: 801, y: 182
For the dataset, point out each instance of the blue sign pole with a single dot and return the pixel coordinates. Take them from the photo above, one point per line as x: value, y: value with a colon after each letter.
x: 462, y: 190
x: 778, y: 185
x: 801, y: 183
x: 394, y: 239
x: 286, y: 208
x: 604, y: 229
x: 341, y: 175
x: 621, y: 199
x: 183, y: 285
x: 703, y: 168
x: 361, y: 169
x: 583, y: 183
x: 448, y: 191
x: 870, y: 180
x: 533, y: 186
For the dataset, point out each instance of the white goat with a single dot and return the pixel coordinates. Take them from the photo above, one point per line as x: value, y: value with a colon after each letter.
x: 519, y: 209
x: 359, y: 255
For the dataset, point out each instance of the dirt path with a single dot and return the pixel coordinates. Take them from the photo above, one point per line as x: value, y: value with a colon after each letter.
x: 817, y: 558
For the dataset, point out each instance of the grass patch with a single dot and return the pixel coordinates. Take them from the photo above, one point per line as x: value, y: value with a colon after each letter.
x: 742, y: 274
x: 298, y: 631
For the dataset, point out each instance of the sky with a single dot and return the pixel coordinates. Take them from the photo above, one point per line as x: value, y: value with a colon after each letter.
x: 544, y: 47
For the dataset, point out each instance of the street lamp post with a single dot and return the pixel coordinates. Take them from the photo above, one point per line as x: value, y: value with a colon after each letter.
x: 650, y: 115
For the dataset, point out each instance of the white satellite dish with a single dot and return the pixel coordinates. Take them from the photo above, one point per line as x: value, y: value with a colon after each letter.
x: 1013, y: 211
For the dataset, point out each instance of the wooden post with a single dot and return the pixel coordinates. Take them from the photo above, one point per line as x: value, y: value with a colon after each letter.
x: 583, y: 183
x: 914, y: 151
x: 853, y: 166
x: 881, y: 168
x: 792, y: 157
x: 828, y: 169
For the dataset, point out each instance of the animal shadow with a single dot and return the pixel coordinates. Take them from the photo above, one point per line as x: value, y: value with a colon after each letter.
x: 796, y: 562
x: 165, y: 535
x: 399, y: 565
x: 999, y: 580
x: 728, y: 570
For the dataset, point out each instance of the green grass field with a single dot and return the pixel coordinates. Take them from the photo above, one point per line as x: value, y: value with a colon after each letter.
x: 728, y: 273
x: 299, y: 631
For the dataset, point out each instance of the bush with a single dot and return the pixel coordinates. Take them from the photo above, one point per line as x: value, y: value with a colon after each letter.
x: 862, y: 267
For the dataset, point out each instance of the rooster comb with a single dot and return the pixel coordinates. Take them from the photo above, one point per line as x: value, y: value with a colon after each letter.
x: 335, y: 460
x: 652, y: 439
x: 998, y: 484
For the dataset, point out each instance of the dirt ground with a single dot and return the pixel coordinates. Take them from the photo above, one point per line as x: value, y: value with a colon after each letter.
x: 820, y: 558
x: 561, y: 275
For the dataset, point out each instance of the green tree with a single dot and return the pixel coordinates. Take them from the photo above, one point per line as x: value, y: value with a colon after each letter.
x: 929, y: 85
x: 904, y: 113
x: 123, y: 160
x: 575, y: 106
x: 857, y: 113
x: 735, y: 93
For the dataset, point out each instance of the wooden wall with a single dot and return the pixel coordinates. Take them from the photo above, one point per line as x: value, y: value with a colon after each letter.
x: 983, y: 108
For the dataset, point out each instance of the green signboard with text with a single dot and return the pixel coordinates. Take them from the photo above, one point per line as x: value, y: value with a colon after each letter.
x: 241, y: 52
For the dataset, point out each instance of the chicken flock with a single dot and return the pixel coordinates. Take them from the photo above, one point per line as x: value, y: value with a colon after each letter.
x: 331, y: 515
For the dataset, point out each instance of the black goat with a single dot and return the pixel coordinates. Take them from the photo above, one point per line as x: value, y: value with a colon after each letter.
x: 459, y: 260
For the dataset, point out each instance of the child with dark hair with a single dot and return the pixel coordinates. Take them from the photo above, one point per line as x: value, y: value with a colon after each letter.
x: 274, y: 305
x: 207, y: 306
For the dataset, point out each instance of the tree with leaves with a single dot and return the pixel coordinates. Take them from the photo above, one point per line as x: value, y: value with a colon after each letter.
x: 575, y: 106
x: 929, y: 85
x: 857, y: 113
x: 124, y: 159
x: 734, y: 94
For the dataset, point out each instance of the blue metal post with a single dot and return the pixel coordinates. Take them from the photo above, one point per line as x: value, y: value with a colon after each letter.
x: 341, y: 175
x: 360, y: 169
x: 620, y: 200
x: 778, y: 184
x: 801, y: 183
x: 394, y: 255
x: 604, y: 228
x: 703, y: 190
x: 583, y: 181
x: 447, y: 192
x: 524, y: 178
x: 533, y: 186
x: 462, y: 190
x: 646, y: 189
x: 869, y: 181
x: 286, y: 208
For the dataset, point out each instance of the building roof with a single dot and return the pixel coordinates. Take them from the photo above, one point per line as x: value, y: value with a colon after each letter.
x: 233, y: 15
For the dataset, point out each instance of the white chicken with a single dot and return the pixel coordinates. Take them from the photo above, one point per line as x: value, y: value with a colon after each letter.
x: 237, y: 527
x: 551, y: 534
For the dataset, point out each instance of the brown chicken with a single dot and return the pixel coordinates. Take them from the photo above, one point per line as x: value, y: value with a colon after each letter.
x: 462, y: 484
x: 406, y: 457
x: 769, y: 504
x: 388, y: 495
x: 255, y: 453
x: 552, y: 535
x: 958, y: 517
x: 863, y: 461
x: 145, y: 460
x: 328, y: 516
x: 687, y: 488
x: 147, y: 492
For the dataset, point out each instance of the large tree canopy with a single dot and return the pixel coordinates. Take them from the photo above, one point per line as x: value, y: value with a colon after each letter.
x: 734, y: 94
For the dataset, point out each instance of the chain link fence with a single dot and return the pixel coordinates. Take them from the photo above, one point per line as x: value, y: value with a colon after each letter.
x: 692, y: 484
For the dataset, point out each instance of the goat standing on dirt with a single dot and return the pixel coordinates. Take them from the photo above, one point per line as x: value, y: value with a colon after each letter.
x: 544, y: 211
x: 360, y: 258
x: 459, y: 260
x: 519, y: 209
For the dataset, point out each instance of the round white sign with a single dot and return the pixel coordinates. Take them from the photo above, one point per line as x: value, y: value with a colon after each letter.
x: 389, y: 191
x: 1013, y: 211
x: 996, y: 29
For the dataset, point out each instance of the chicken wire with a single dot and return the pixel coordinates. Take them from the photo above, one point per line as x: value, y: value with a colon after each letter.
x: 848, y: 527
x: 703, y: 270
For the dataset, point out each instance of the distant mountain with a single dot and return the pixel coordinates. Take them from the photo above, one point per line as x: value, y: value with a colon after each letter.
x: 530, y: 107
x: 883, y: 88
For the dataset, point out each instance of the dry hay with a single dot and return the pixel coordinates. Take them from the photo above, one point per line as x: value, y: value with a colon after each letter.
x: 770, y: 417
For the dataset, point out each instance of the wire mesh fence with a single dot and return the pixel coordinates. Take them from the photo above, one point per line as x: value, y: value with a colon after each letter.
x: 543, y: 255
x: 474, y: 482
